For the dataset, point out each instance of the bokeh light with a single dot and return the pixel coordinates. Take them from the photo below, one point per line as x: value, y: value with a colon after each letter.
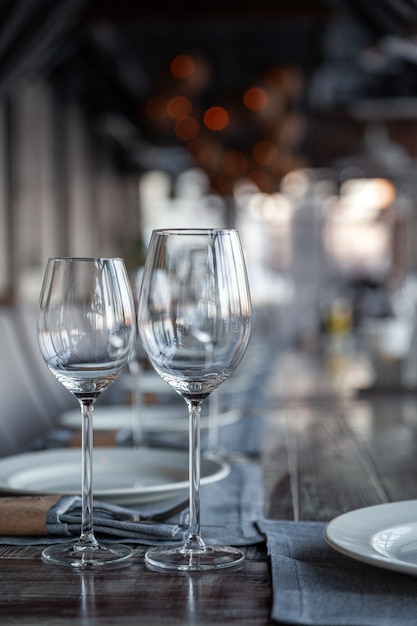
x: 288, y: 81
x: 207, y: 154
x: 179, y: 106
x: 261, y: 180
x: 187, y: 128
x: 234, y: 163
x: 368, y: 195
x: 255, y: 99
x: 216, y: 118
x: 182, y: 66
x: 265, y: 152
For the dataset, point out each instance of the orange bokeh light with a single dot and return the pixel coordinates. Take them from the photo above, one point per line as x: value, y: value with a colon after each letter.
x: 182, y: 66
x: 199, y: 149
x: 265, y: 152
x: 288, y: 81
x: 206, y: 153
x: 179, y: 106
x: 187, y: 129
x: 216, y: 118
x: 234, y: 163
x: 255, y: 99
x: 261, y: 180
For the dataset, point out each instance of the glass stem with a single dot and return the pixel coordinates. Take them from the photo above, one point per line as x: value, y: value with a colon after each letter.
x: 137, y: 422
x: 194, y: 540
x: 213, y: 422
x: 87, y: 533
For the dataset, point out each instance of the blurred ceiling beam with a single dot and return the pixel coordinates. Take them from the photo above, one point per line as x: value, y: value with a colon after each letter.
x: 123, y: 10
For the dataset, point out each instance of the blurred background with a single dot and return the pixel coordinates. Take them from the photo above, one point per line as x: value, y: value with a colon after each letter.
x: 295, y: 122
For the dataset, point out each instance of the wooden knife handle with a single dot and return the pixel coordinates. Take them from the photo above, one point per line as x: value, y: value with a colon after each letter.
x: 25, y: 515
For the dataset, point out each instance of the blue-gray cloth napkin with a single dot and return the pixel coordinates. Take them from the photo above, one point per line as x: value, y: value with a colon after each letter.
x: 64, y: 520
x: 313, y: 584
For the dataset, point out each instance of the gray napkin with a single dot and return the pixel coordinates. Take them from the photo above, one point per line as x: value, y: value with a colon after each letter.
x: 64, y: 519
x: 315, y: 585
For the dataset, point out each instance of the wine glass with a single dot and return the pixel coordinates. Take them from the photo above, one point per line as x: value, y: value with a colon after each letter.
x: 86, y: 325
x: 194, y: 317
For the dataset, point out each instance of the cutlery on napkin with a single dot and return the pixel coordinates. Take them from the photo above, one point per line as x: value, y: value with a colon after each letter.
x: 61, y: 515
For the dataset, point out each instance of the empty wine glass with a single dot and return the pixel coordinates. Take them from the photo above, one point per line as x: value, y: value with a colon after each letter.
x: 194, y: 321
x: 86, y: 325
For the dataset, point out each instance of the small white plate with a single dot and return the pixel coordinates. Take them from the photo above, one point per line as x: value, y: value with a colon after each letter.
x: 121, y: 475
x: 158, y: 418
x: 384, y: 535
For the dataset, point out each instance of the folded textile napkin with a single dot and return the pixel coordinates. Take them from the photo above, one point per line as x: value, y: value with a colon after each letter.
x: 229, y: 510
x: 313, y: 584
x: 64, y: 519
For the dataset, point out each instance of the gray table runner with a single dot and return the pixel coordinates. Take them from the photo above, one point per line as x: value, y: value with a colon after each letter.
x: 315, y: 585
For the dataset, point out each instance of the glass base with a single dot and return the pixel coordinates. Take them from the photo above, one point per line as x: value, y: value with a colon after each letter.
x: 195, y: 559
x: 81, y: 555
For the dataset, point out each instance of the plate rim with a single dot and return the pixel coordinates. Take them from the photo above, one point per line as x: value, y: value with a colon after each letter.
x: 371, y: 556
x: 223, y: 469
x: 68, y: 419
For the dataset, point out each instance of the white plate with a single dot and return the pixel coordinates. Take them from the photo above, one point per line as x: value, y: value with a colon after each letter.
x: 384, y: 535
x: 157, y: 418
x: 121, y: 475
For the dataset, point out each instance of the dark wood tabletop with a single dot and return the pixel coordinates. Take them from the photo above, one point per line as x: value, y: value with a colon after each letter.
x: 326, y: 450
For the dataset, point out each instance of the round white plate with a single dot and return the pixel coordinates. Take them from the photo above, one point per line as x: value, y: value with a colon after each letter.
x: 384, y: 535
x: 121, y: 475
x: 159, y: 418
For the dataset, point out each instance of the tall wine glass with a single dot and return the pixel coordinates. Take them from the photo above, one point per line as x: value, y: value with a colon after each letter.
x: 194, y: 321
x: 86, y: 325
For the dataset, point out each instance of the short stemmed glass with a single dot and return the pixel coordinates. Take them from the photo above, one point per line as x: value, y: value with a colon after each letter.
x: 86, y: 326
x: 194, y: 317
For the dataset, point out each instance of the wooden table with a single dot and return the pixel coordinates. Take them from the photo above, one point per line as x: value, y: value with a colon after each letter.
x: 324, y: 454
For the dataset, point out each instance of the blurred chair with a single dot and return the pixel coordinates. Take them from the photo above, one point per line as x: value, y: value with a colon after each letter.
x: 23, y: 413
x: 55, y: 398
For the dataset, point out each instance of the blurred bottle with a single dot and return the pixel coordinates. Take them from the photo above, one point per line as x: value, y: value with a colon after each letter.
x: 338, y: 319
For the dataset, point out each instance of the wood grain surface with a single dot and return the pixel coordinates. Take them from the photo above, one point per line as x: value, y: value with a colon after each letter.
x: 322, y: 456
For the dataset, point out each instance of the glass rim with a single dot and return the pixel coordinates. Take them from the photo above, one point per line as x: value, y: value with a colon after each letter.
x: 193, y: 231
x: 85, y: 258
